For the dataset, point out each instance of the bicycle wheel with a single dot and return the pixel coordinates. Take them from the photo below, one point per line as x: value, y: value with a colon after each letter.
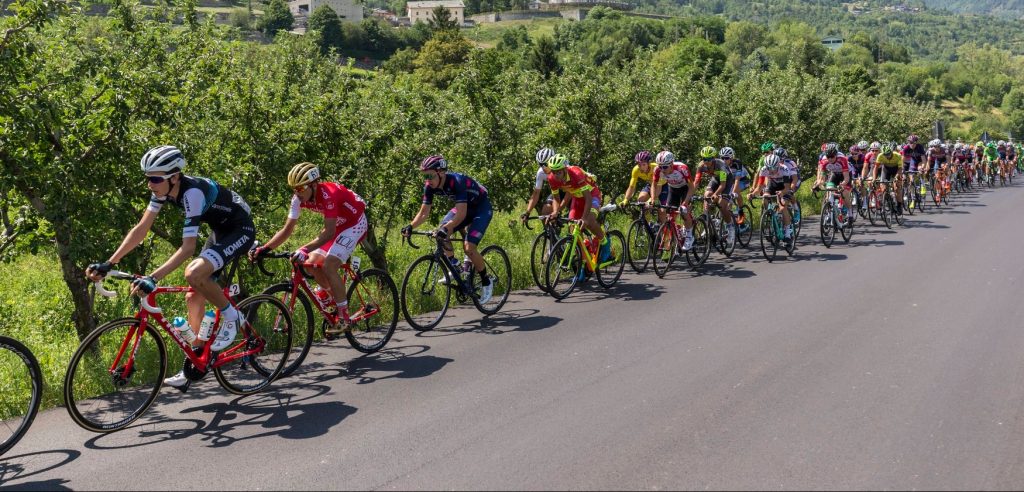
x: 908, y: 199
x: 101, y: 394
x: 267, y: 323
x: 539, y: 259
x: 564, y: 268
x: 769, y: 248
x: 21, y: 391
x: 426, y: 293
x: 897, y: 211
x: 886, y: 210
x: 797, y: 214
x: 846, y: 229
x: 701, y: 250
x: 745, y: 231
x: 828, y: 225
x: 303, y: 329
x: 373, y: 302
x: 664, y: 250
x: 872, y: 203
x: 608, y: 273
x: 638, y: 251
x: 499, y: 269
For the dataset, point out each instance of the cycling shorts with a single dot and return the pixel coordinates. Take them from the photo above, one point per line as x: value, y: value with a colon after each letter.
x: 223, y: 246
x: 674, y: 196
x: 476, y: 221
x: 889, y: 173
x: 714, y: 183
x: 346, y: 240
x: 576, y: 208
x: 775, y: 187
x: 836, y: 179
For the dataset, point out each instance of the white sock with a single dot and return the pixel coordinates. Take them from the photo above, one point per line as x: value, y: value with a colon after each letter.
x: 229, y: 313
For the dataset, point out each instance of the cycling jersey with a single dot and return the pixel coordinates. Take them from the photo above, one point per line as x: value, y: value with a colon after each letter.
x: 676, y: 176
x: 205, y: 201
x: 782, y: 174
x: 991, y: 154
x: 539, y: 180
x: 894, y: 160
x: 717, y: 168
x: 333, y: 201
x: 841, y: 165
x: 578, y: 181
x: 638, y: 175
x: 458, y: 187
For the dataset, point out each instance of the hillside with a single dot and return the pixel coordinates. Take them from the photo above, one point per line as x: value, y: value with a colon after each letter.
x: 1014, y: 7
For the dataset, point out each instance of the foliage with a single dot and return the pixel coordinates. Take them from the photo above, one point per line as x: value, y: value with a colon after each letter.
x: 440, y: 59
x: 324, y: 20
x: 276, y: 18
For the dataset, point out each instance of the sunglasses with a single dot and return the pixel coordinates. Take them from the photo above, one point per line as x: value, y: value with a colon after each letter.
x: 159, y: 179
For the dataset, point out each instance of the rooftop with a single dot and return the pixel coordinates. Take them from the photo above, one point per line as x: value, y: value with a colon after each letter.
x: 429, y: 4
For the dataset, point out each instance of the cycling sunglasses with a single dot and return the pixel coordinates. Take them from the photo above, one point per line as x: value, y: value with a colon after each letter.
x: 159, y: 179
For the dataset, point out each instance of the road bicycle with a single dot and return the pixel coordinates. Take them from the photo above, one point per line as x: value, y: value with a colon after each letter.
x: 915, y: 192
x: 576, y: 255
x: 669, y: 242
x: 117, y: 371
x: 718, y: 230
x: 372, y: 301
x: 640, y: 236
x: 21, y: 391
x: 773, y: 234
x: 431, y: 280
x: 742, y: 216
x: 541, y: 247
x: 833, y: 218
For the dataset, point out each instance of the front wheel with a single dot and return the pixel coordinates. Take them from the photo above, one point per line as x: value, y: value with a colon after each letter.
x: 564, y: 268
x: 266, y: 332
x: 303, y: 330
x: 664, y: 249
x: 769, y: 246
x: 373, y: 309
x: 539, y: 258
x: 828, y: 225
x: 698, y: 254
x: 638, y: 251
x: 115, y: 375
x: 608, y: 273
x: 499, y: 272
x: 425, y: 292
x: 22, y: 383
x: 745, y: 230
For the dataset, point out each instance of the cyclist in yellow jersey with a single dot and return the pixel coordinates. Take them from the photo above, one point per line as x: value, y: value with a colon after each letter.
x: 891, y: 165
x: 642, y: 171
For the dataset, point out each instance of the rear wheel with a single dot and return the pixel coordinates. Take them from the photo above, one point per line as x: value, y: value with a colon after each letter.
x: 21, y: 384
x: 115, y: 375
x: 769, y: 248
x: 608, y: 273
x: 698, y: 254
x: 745, y: 230
x: 564, y: 267
x: 499, y: 272
x: 886, y: 210
x: 638, y: 251
x: 664, y: 250
x: 303, y: 331
x: 266, y: 330
x: 539, y: 258
x: 373, y: 305
x: 828, y: 226
x: 425, y: 293
x: 872, y: 204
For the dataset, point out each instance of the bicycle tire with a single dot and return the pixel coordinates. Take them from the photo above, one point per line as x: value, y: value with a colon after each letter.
x: 609, y: 274
x: 797, y: 224
x: 303, y: 329
x: 638, y: 240
x: 896, y: 212
x: 94, y: 384
x: 495, y: 258
x: 886, y: 210
x: 373, y: 289
x: 767, y: 237
x: 427, y: 282
x: 744, y: 238
x: 870, y: 212
x: 564, y: 267
x: 665, y: 250
x: 22, y: 420
x: 846, y: 230
x: 538, y: 260
x: 698, y: 255
x: 253, y: 373
x: 828, y: 226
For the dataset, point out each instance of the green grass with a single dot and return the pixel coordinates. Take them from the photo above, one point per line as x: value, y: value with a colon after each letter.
x: 488, y: 34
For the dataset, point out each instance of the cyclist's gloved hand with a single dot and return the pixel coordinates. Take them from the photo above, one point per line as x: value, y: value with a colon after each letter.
x: 146, y: 285
x: 100, y: 269
x: 407, y: 231
x: 441, y: 233
x: 258, y: 252
x: 300, y: 255
x: 524, y: 216
x: 683, y: 210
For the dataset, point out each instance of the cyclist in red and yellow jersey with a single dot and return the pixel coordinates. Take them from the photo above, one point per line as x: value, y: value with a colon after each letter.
x: 582, y: 195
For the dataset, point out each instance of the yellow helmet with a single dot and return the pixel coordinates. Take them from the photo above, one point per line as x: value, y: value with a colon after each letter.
x: 302, y: 174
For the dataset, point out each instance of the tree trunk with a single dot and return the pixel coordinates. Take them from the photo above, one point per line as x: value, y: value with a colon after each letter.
x: 77, y: 284
x: 373, y: 248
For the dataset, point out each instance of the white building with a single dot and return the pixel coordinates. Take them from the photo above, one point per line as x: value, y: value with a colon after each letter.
x: 347, y: 10
x: 423, y: 11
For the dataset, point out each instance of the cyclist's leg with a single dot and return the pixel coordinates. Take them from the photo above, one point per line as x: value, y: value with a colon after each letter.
x: 476, y: 223
x: 336, y: 253
x: 202, y: 273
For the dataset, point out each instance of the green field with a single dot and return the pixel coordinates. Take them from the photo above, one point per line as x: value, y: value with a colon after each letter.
x: 488, y: 34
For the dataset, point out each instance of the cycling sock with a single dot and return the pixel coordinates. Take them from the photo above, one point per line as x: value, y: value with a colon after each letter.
x: 484, y: 279
x: 229, y: 313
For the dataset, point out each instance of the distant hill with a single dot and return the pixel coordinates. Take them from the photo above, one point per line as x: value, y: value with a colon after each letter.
x: 1013, y: 7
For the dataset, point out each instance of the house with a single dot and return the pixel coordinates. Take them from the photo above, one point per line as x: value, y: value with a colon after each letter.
x: 347, y: 10
x: 832, y: 42
x: 424, y: 11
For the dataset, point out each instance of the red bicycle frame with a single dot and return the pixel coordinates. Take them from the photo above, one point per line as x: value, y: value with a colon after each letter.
x: 299, y: 281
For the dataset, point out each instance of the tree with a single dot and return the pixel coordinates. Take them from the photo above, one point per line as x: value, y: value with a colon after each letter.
x: 544, y: 58
x: 441, y: 20
x: 439, y: 60
x: 694, y: 58
x: 276, y: 18
x: 325, y: 21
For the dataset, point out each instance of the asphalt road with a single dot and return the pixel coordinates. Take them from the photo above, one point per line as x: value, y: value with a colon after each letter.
x: 894, y: 362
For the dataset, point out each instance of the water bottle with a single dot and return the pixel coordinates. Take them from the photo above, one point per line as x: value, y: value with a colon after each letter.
x: 467, y: 264
x: 181, y: 325
x: 325, y: 299
x: 206, y: 326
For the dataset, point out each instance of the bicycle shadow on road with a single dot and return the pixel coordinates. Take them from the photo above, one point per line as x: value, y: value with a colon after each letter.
x: 526, y: 319
x: 275, y: 412
x: 623, y: 290
x: 391, y: 362
x: 22, y: 466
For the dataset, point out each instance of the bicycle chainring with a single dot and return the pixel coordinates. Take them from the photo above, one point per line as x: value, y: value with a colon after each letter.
x: 192, y: 372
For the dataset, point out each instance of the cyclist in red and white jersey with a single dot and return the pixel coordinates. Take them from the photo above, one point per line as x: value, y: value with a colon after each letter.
x: 344, y: 227
x: 837, y: 169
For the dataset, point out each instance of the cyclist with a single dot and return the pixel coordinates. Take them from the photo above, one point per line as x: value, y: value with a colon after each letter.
x: 1011, y: 158
x: 913, y: 152
x: 472, y: 214
x: 838, y: 169
x: 679, y: 190
x: 344, y: 228
x: 742, y: 177
x: 542, y: 157
x: 782, y: 181
x: 991, y: 159
x: 581, y: 187
x: 642, y: 171
x: 888, y: 162
x: 203, y: 201
x: 721, y: 183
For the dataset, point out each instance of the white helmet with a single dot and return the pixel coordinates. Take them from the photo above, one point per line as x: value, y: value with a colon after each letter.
x: 544, y: 154
x: 876, y: 146
x: 665, y: 158
x: 726, y: 153
x: 862, y: 145
x: 772, y: 162
x: 166, y: 159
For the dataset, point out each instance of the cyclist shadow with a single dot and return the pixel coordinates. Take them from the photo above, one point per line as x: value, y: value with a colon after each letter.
x: 26, y: 465
x: 276, y: 412
x: 625, y: 290
x: 727, y: 270
x: 392, y: 362
x: 525, y: 319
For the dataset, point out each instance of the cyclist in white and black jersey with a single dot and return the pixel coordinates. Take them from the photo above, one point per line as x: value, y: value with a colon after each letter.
x: 231, y: 234
x: 540, y: 179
